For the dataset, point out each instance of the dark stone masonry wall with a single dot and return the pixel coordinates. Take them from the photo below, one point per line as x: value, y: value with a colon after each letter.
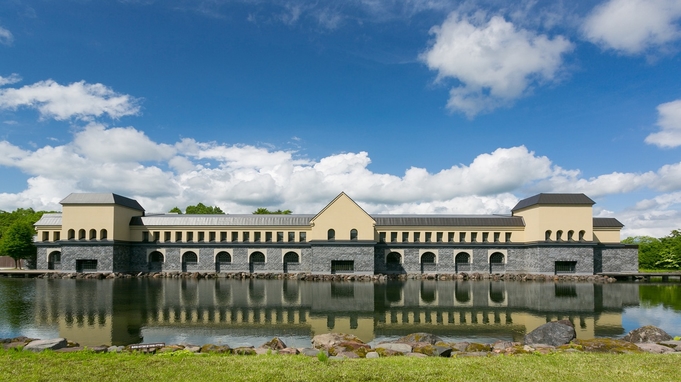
x: 368, y: 258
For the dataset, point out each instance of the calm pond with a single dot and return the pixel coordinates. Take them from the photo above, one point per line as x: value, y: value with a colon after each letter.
x: 250, y: 312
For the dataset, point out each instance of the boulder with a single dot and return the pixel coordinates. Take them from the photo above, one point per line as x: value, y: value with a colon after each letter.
x: 460, y: 346
x: 416, y: 355
x: 329, y: 340
x: 650, y: 347
x: 420, y: 337
x: 51, y: 344
x: 274, y: 344
x: 676, y: 345
x: 396, y: 347
x: 289, y: 351
x: 244, y: 350
x: 647, y: 334
x: 210, y: 348
x: 312, y: 352
x: 347, y: 354
x: 372, y: 354
x: 606, y: 345
x: 553, y: 333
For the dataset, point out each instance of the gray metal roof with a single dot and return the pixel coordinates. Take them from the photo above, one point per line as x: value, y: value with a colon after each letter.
x: 49, y: 219
x: 607, y: 222
x: 449, y: 220
x: 223, y: 220
x: 574, y: 199
x: 108, y: 198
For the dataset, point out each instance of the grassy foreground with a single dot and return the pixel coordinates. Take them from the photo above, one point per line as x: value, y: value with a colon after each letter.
x: 26, y: 366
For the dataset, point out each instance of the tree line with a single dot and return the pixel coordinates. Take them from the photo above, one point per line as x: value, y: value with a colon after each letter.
x: 658, y: 253
x: 16, y: 233
x: 213, y: 210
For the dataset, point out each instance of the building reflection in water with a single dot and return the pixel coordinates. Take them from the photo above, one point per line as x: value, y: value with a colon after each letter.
x: 118, y: 311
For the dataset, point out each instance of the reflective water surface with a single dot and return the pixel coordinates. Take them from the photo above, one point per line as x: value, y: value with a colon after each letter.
x: 250, y: 312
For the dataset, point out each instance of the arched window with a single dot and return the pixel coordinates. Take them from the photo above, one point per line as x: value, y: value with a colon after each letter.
x: 81, y: 234
x: 102, y: 234
x: 462, y: 292
x: 331, y: 234
x: 496, y: 258
x: 291, y: 257
x: 53, y: 260
x: 93, y: 234
x: 428, y: 292
x: 156, y: 257
x: 393, y: 258
x: 190, y: 257
x: 428, y: 258
x: 72, y: 234
x: 223, y: 257
x: 497, y: 293
x: 462, y: 258
x: 581, y: 235
x: 547, y: 235
x: 257, y: 257
x: 571, y: 235
x: 353, y: 234
x: 559, y: 235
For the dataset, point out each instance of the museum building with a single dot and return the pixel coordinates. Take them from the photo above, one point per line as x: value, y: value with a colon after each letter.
x: 544, y: 234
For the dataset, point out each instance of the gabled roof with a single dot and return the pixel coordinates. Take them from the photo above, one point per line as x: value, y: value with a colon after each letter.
x: 222, y: 220
x: 607, y: 223
x: 341, y: 195
x: 554, y: 199
x: 450, y: 220
x: 107, y: 198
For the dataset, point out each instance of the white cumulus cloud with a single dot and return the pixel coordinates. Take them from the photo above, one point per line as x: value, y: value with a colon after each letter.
x: 494, y: 61
x: 669, y: 120
x: 6, y: 37
x: 633, y: 26
x: 12, y: 79
x: 78, y: 100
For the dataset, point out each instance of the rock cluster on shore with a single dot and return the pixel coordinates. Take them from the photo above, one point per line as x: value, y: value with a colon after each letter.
x: 553, y: 337
x: 334, y: 277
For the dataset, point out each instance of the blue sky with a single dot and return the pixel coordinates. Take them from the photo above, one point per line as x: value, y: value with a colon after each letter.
x: 408, y: 106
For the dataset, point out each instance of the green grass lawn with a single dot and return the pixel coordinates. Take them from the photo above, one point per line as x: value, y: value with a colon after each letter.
x: 26, y: 366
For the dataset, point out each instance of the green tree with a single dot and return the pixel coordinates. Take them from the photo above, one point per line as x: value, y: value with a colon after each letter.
x: 203, y: 209
x: 265, y: 211
x: 17, y: 242
x: 176, y: 210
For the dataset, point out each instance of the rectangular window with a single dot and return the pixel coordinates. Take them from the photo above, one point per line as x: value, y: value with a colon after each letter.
x: 566, y: 267
x: 145, y: 236
x: 429, y: 237
x: 381, y: 237
x: 46, y: 236
x: 178, y: 236
x: 223, y: 236
x: 393, y: 237
x: 57, y: 235
x: 450, y: 237
x: 405, y: 237
x: 291, y: 237
x: 211, y: 236
x: 342, y: 266
x: 268, y: 237
x: 256, y: 237
x: 235, y: 236
x: 86, y: 265
x: 246, y: 236
x: 202, y: 236
x: 565, y: 290
x: 166, y: 236
x: 157, y: 236
x: 474, y: 237
x: 439, y: 237
x: 280, y: 237
x: 190, y: 236
x: 508, y: 237
x: 496, y: 237
x: 485, y: 237
x: 462, y: 237
x: 303, y: 237
x: 417, y: 237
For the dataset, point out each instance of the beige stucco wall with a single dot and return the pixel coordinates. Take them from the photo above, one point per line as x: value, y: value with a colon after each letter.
x: 607, y: 235
x: 343, y: 215
x: 539, y: 219
x: 113, y: 218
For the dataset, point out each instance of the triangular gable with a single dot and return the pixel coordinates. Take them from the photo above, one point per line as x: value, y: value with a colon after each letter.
x: 340, y: 196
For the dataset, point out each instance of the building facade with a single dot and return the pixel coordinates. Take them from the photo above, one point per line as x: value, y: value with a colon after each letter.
x: 544, y: 234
